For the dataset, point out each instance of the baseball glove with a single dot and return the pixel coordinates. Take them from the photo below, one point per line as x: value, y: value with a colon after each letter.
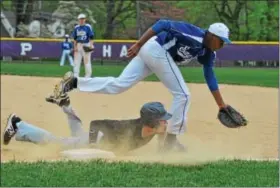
x: 87, y: 49
x: 231, y: 118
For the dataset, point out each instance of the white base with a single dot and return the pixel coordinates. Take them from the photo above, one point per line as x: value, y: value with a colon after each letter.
x: 87, y: 154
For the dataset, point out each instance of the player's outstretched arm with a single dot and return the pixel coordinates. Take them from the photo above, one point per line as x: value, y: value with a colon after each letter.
x: 213, y: 85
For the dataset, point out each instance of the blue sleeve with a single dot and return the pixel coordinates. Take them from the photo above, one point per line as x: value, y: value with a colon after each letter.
x: 209, y: 75
x: 161, y: 25
x: 177, y: 28
x: 71, y: 45
x: 90, y: 32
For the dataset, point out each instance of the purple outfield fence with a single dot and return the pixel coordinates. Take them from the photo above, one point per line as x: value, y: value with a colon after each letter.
x: 116, y: 50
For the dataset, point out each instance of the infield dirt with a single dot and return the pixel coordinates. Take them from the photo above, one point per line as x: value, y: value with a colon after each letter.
x: 206, y: 138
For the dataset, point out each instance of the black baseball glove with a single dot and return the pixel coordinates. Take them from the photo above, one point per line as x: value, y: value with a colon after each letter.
x: 88, y: 49
x: 231, y: 118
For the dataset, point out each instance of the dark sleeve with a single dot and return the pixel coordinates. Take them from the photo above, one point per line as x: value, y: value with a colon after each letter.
x: 208, y: 63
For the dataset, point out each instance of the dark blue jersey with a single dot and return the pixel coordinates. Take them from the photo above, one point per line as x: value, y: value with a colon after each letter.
x: 184, y: 42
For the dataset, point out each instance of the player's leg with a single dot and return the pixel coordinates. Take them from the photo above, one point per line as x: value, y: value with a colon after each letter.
x: 161, y: 63
x: 70, y: 58
x: 77, y: 61
x: 75, y: 123
x: 87, y: 63
x: 62, y: 58
x: 135, y: 71
x: 26, y: 132
x: 79, y: 136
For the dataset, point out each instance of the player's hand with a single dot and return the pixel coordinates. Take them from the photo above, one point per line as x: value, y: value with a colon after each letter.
x: 133, y: 50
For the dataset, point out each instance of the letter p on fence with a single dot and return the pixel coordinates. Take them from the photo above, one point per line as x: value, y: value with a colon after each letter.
x: 25, y: 47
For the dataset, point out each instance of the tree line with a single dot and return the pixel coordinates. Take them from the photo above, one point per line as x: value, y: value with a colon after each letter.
x: 123, y: 19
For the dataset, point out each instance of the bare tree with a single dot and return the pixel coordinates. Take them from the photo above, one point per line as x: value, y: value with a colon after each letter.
x: 229, y: 12
x: 117, y: 12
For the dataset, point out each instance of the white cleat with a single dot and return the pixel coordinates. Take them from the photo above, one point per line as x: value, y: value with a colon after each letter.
x: 10, y: 129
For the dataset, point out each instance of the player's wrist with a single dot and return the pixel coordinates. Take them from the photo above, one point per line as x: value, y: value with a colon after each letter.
x: 223, y: 105
x: 139, y: 43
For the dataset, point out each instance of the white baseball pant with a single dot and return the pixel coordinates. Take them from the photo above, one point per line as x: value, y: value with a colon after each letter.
x: 62, y: 59
x: 152, y: 58
x: 80, y: 55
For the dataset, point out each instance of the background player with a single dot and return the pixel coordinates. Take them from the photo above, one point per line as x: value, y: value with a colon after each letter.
x: 67, y: 47
x: 83, y: 36
x: 113, y: 135
x: 163, y: 45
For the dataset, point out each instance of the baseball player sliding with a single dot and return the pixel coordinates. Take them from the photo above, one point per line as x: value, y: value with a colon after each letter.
x: 158, y: 51
x: 66, y: 51
x: 83, y: 46
x: 119, y: 136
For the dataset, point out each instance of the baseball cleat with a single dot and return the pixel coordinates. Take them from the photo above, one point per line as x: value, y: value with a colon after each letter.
x: 62, y: 100
x: 171, y: 143
x: 65, y: 85
x: 10, y: 129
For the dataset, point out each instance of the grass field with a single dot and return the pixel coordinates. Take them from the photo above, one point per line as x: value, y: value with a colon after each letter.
x: 240, y: 76
x: 100, y: 173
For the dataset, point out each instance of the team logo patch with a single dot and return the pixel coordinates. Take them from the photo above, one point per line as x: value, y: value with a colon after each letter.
x: 184, y: 53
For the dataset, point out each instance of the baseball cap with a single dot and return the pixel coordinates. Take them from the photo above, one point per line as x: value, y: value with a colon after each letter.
x: 154, y: 111
x: 81, y: 16
x: 221, y: 31
x: 66, y: 36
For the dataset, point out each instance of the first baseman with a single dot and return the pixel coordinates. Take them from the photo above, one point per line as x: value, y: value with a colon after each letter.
x: 83, y: 36
x: 158, y: 51
x: 114, y: 135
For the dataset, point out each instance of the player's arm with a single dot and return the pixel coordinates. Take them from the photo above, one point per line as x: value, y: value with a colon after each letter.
x: 212, y: 83
x: 159, y: 26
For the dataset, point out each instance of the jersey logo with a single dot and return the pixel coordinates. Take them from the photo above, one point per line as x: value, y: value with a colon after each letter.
x: 66, y: 45
x: 183, y: 52
x: 81, y: 33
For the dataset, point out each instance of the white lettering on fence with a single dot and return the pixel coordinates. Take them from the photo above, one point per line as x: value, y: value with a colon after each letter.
x: 107, y: 51
x: 123, y: 51
x: 25, y: 47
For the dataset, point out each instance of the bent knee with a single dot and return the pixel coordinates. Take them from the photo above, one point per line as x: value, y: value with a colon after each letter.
x: 183, y: 97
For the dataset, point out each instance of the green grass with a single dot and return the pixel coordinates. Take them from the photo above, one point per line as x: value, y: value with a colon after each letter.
x: 100, y: 173
x: 240, y: 76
